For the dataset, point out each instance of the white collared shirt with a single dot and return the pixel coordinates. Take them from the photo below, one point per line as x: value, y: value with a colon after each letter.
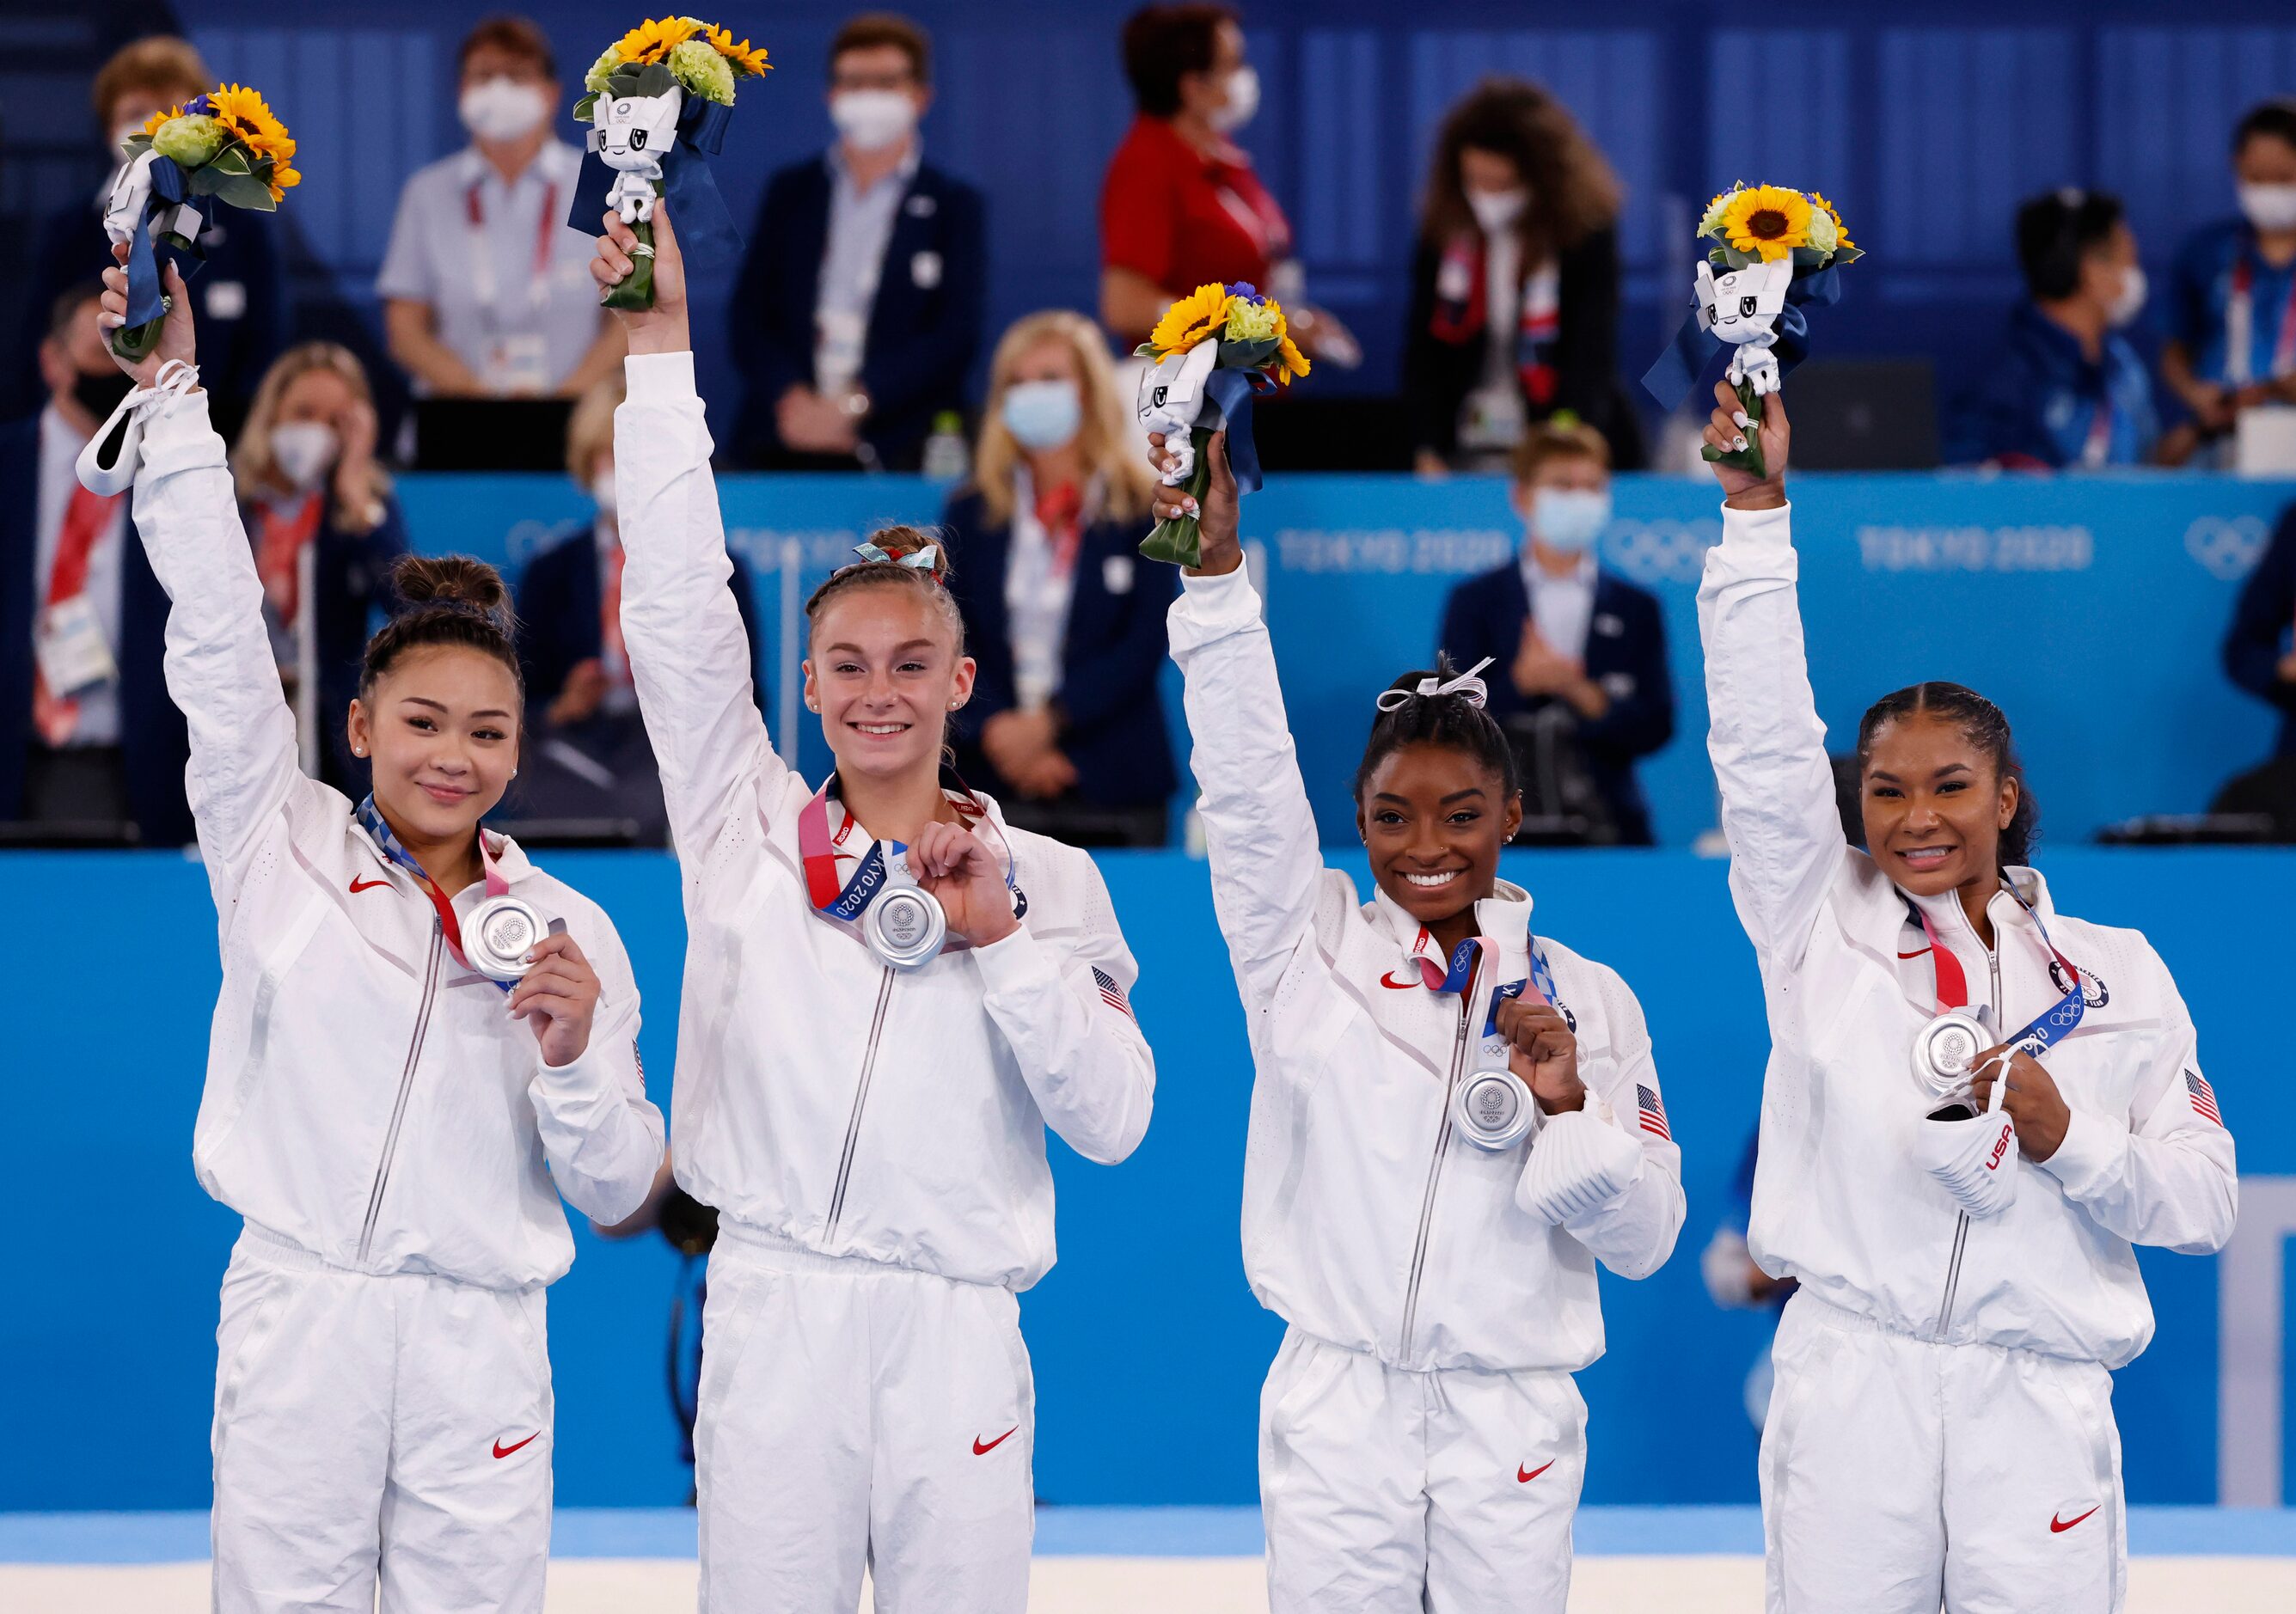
x: 852, y: 263
x: 60, y: 446
x: 1564, y: 607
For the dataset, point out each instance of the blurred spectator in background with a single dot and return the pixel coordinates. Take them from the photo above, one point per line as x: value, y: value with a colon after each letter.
x: 1514, y: 286
x: 859, y: 306
x: 2232, y: 300
x: 88, y: 734
x: 239, y: 292
x: 586, y: 757
x: 1733, y: 1280
x: 2259, y: 651
x: 326, y: 530
x: 1065, y: 621
x: 2061, y: 387
x: 486, y: 291
x: 1181, y: 207
x: 1578, y: 677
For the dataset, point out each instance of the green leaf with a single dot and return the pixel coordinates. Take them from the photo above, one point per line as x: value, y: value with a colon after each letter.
x: 136, y: 144
x: 583, y: 107
x: 231, y: 160
x: 1247, y: 356
x: 244, y: 191
x: 1179, y: 541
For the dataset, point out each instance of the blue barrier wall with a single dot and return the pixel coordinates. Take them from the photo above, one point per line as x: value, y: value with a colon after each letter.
x: 1149, y: 1350
x: 2089, y: 607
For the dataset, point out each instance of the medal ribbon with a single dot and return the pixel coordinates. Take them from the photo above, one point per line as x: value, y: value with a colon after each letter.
x: 2051, y: 1026
x: 1540, y: 983
x: 846, y: 904
x: 371, y: 816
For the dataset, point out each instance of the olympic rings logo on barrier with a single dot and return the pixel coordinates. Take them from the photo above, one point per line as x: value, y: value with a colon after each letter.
x: 1661, y: 551
x: 2227, y: 547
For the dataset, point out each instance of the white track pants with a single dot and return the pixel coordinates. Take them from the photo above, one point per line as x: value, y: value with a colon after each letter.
x: 391, y: 1432
x: 1898, y: 1474
x: 1449, y: 1492
x: 855, y: 1412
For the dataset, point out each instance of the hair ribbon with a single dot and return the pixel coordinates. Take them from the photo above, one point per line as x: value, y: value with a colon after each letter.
x: 1467, y: 685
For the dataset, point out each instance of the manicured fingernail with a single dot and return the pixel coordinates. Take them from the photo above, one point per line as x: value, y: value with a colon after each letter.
x: 1191, y: 508
x: 1742, y: 418
x: 1740, y: 442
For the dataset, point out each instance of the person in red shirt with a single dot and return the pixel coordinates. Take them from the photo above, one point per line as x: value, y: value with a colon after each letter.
x: 1181, y: 206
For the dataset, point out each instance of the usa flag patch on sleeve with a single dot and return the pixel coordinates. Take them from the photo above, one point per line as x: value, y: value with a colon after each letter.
x: 1652, y: 1110
x: 2203, y: 1096
x: 1112, y: 994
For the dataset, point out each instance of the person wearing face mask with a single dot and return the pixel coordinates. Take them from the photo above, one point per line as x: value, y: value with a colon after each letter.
x: 90, y: 744
x: 2062, y: 387
x: 1514, y: 286
x: 1065, y: 621
x: 589, y: 760
x: 327, y: 531
x: 1181, y: 206
x: 485, y: 289
x: 2232, y: 297
x: 241, y: 292
x: 859, y: 307
x: 1586, y: 694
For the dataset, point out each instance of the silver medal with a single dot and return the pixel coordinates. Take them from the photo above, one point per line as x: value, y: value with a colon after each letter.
x: 1946, y: 1050
x: 497, y: 934
x: 904, y: 927
x: 1492, y: 1109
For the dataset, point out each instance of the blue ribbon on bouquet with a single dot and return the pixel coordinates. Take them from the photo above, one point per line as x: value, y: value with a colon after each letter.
x: 1684, y: 360
x: 1229, y: 392
x: 170, y: 188
x: 706, y: 233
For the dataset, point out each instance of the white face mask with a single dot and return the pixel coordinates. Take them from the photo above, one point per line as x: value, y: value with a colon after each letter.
x: 1043, y: 416
x: 1495, y: 210
x: 1569, y: 519
x: 872, y: 119
x: 2269, y: 208
x: 303, y: 450
x: 1242, y: 101
x: 503, y: 109
x: 2131, y: 303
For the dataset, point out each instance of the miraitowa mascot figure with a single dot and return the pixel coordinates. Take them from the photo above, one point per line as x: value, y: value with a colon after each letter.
x: 1774, y: 255
x: 632, y: 132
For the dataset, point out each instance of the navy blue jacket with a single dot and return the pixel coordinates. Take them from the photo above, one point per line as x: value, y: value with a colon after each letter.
x: 1626, y: 654
x: 924, y: 327
x: 2040, y: 397
x: 153, y: 738
x: 239, y: 296
x: 559, y: 614
x: 2260, y: 630
x: 1111, y: 712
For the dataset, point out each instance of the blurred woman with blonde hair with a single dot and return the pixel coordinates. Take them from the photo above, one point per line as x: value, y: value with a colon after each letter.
x: 326, y: 533
x: 1068, y: 627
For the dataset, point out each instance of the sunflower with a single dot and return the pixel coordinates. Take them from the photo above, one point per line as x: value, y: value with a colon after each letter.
x: 745, y: 60
x: 653, y: 41
x: 151, y: 124
x: 1195, y: 316
x: 242, y: 111
x: 1288, y: 361
x: 1834, y: 213
x: 1768, y: 221
x: 1710, y: 222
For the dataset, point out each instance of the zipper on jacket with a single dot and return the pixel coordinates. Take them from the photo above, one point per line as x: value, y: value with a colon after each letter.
x: 405, y: 1086
x: 860, y: 1098
x: 1961, y: 1228
x: 1434, y: 1177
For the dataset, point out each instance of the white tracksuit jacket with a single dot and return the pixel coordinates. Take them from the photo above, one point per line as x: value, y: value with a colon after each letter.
x: 1839, y: 1202
x: 1366, y: 1222
x: 368, y: 1102
x: 824, y: 1099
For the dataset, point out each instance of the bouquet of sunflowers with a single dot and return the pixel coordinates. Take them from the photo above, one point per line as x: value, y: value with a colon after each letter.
x: 1774, y: 255
x: 1213, y: 349
x: 657, y: 101
x: 223, y: 146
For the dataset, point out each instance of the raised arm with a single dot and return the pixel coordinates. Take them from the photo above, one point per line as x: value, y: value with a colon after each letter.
x: 1265, y: 857
x: 1778, y: 808
x: 244, y: 765
x: 690, y: 654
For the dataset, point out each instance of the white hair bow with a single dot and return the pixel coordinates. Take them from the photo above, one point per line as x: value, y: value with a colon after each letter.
x: 1467, y: 683
x: 927, y: 559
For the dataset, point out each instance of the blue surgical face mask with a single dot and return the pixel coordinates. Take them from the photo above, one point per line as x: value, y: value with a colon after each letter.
x: 1569, y: 519
x: 1043, y: 416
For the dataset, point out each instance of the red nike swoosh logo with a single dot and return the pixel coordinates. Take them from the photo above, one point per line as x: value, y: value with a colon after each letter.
x: 1393, y: 985
x: 503, y: 1450
x: 1919, y: 953
x: 979, y: 1450
x: 1523, y: 1479
x: 2056, y: 1527
x: 359, y: 885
